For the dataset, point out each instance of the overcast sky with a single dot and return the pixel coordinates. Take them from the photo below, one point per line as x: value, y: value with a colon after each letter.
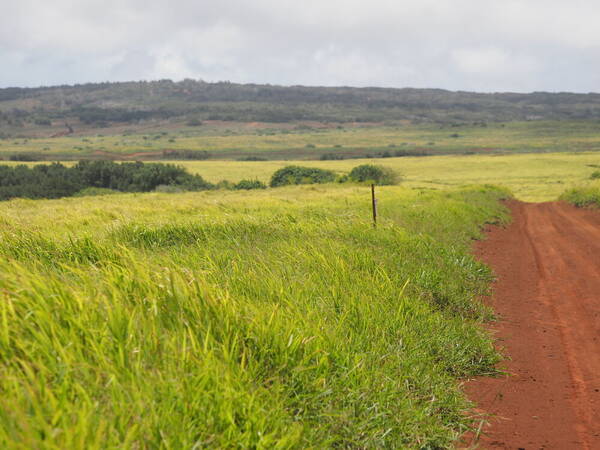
x: 474, y: 45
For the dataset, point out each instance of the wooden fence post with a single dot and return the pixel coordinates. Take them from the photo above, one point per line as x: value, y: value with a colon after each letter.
x: 374, y: 204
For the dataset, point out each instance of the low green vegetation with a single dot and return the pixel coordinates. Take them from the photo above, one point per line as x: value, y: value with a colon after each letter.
x: 228, y: 319
x: 587, y: 195
x: 57, y: 180
x: 370, y: 173
x: 193, y: 103
x: 301, y: 175
x: 297, y: 141
x: 531, y: 177
x: 250, y: 184
x: 105, y: 177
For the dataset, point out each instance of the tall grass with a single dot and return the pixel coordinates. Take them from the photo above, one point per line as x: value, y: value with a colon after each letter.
x: 587, y: 195
x: 250, y: 321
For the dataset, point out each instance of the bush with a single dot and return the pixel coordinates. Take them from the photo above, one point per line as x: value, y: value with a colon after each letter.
x: 250, y: 184
x: 595, y: 175
x: 301, y: 175
x: 56, y: 180
x: 370, y: 173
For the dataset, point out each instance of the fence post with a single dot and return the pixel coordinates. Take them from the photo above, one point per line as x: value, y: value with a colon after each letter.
x: 374, y: 205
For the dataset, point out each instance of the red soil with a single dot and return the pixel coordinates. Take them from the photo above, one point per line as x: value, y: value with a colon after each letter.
x: 547, y: 296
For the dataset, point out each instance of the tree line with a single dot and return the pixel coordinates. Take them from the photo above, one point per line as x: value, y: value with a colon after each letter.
x: 99, y: 177
x: 57, y: 180
x: 132, y: 102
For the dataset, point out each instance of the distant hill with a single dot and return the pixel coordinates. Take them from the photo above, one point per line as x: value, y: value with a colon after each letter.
x: 104, y: 104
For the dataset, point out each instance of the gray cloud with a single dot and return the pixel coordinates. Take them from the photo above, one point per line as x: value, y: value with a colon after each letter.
x: 482, y: 45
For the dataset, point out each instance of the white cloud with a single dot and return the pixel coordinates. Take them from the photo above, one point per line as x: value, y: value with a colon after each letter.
x: 514, y: 45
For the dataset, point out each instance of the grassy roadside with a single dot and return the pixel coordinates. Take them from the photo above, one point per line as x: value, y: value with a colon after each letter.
x: 241, y: 319
x: 584, y: 196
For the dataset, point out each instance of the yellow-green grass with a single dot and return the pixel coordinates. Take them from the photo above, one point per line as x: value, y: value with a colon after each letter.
x: 531, y: 177
x: 285, y: 143
x: 271, y: 319
x: 584, y: 195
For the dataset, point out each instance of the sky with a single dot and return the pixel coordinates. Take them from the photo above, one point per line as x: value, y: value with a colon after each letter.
x: 470, y: 45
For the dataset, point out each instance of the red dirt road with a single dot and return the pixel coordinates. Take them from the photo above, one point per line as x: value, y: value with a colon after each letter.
x: 547, y: 296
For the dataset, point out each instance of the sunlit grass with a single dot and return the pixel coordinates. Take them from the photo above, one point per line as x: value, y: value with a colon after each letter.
x: 584, y: 195
x: 271, y: 319
x: 531, y: 177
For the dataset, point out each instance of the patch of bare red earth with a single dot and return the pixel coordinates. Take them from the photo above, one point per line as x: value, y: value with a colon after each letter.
x: 547, y: 297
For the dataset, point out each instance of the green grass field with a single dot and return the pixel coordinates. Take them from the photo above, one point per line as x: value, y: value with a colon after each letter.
x: 258, y: 319
x: 271, y: 319
x: 531, y: 177
x: 231, y: 141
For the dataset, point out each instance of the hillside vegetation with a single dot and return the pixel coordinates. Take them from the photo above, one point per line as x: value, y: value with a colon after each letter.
x: 134, y: 101
x: 242, y: 319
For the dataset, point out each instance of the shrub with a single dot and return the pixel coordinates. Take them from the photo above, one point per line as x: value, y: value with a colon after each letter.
x: 250, y: 184
x: 301, y: 175
x: 56, y: 180
x: 595, y: 175
x: 370, y: 173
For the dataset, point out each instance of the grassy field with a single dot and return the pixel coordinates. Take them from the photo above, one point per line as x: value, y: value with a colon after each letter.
x: 272, y: 319
x: 531, y: 177
x: 263, y: 319
x: 300, y: 141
